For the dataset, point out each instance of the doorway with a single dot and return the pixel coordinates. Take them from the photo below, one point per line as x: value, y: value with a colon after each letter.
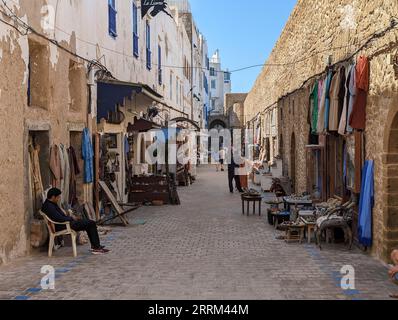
x: 391, y: 189
x: 76, y: 138
x: 39, y: 172
x: 293, y: 161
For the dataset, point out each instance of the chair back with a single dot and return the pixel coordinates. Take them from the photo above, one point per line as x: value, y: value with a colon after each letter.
x: 50, y: 225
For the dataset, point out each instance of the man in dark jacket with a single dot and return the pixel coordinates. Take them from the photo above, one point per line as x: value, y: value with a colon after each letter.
x: 56, y: 214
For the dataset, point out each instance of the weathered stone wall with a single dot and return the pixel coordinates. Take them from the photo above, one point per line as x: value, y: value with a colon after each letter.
x: 294, y: 122
x: 234, y: 103
x: 315, y: 31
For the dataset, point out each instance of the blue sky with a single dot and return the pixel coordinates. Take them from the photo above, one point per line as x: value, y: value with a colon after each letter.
x: 244, y: 31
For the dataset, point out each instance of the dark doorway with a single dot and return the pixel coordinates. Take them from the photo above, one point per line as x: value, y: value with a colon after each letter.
x: 293, y: 161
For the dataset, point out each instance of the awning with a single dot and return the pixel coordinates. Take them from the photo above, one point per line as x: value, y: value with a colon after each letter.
x: 111, y: 93
x: 142, y: 125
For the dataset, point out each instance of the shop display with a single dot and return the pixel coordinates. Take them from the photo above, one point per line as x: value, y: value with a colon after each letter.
x: 147, y: 189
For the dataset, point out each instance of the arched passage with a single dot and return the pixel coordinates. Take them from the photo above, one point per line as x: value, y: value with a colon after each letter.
x: 391, y: 188
x: 218, y: 125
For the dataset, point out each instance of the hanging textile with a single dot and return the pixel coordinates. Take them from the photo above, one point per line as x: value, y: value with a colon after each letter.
x: 337, y: 92
x: 358, y: 115
x: 366, y: 205
x: 55, y: 167
x: 74, y: 171
x: 63, y: 154
x: 126, y: 145
x: 66, y: 175
x: 36, y: 179
x: 327, y: 100
x: 88, y: 157
x: 343, y: 118
x: 342, y: 93
x: 321, y: 113
x: 314, y: 101
x: 353, y: 92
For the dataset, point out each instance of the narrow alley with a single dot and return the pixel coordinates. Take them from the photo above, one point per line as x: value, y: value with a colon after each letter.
x: 203, y: 249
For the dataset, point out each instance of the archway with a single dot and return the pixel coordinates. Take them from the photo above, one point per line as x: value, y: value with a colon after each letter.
x: 391, y: 189
x: 218, y: 125
x: 293, y: 161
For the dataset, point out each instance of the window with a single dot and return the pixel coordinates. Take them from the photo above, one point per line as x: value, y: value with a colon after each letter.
x: 227, y: 77
x: 212, y: 72
x: 213, y: 84
x: 135, y: 30
x: 177, y: 95
x: 112, y: 18
x: 148, y: 47
x: 171, y: 86
x: 160, y: 79
x: 206, y: 84
x: 181, y: 95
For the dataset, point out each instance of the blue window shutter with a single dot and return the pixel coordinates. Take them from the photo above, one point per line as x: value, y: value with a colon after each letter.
x: 148, y: 47
x: 112, y: 17
x: 160, y: 65
x: 135, y: 30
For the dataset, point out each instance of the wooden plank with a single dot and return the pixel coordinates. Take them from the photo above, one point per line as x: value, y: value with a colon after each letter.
x: 119, y: 210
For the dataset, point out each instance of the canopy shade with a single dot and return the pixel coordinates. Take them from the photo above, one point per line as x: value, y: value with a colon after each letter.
x: 112, y: 93
x: 141, y: 125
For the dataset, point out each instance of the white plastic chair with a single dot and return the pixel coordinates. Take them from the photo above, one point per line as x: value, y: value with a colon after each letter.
x: 53, y: 234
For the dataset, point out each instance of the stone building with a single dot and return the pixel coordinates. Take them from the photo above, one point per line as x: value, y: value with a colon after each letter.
x: 55, y: 81
x: 332, y: 34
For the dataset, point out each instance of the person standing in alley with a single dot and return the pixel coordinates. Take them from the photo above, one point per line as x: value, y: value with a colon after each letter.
x: 222, y: 156
x: 233, y: 167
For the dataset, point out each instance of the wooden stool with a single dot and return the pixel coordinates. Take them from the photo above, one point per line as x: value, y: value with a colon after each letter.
x: 290, y: 236
x: 310, y: 231
x: 248, y: 200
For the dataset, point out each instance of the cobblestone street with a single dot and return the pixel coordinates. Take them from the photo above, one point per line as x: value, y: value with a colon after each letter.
x: 203, y: 249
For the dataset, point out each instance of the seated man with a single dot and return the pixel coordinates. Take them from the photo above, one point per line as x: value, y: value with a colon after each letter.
x: 393, y: 273
x: 55, y: 213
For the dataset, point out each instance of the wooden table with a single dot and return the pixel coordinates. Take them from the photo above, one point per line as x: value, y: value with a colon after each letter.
x: 251, y: 199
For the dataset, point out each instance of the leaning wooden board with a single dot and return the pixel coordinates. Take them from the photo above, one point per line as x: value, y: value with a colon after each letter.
x: 119, y: 210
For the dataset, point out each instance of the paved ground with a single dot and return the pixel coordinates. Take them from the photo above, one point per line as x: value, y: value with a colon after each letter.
x: 203, y: 249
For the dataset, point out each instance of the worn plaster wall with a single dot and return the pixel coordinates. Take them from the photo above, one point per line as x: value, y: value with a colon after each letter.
x: 50, y: 110
x: 315, y: 31
x: 13, y: 238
